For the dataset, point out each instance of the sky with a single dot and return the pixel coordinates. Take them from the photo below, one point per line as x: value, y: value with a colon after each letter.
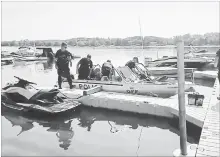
x: 65, y: 20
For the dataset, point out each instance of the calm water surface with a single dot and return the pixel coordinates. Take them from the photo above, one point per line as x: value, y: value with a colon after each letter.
x: 87, y: 131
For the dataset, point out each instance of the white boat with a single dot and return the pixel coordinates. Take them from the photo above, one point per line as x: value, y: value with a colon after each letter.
x: 28, y: 54
x: 6, y: 58
x: 125, y: 81
x: 7, y: 61
x: 189, y: 61
x: 164, y: 71
x: 205, y: 74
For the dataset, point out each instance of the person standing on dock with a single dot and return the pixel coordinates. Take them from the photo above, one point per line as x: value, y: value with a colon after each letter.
x: 84, y: 68
x: 63, y: 59
x: 217, y: 64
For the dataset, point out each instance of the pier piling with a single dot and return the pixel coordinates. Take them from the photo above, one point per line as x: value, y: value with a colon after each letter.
x: 181, y: 97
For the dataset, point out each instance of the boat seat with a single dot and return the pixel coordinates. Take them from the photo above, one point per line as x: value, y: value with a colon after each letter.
x: 44, y: 94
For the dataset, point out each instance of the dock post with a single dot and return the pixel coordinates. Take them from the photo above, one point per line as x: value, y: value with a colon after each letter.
x: 181, y: 97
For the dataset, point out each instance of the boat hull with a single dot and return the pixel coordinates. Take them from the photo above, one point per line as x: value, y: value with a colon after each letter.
x: 31, y: 59
x: 152, y: 89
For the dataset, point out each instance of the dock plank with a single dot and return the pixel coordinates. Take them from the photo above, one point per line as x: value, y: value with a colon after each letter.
x: 209, y: 144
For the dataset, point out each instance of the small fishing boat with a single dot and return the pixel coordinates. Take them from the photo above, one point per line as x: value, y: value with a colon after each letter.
x: 6, y: 58
x: 189, y: 61
x: 125, y: 81
x: 7, y: 61
x: 29, y: 54
x: 205, y: 74
x: 170, y: 72
x: 23, y: 96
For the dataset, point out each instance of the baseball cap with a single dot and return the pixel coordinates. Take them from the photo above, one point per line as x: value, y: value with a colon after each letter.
x: 64, y: 44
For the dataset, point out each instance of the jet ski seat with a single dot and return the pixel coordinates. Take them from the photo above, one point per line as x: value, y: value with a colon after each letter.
x: 45, y: 94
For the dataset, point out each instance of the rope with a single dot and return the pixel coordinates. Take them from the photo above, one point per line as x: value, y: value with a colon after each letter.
x: 139, y: 140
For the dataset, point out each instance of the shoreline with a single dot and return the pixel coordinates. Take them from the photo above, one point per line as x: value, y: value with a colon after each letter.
x: 129, y: 47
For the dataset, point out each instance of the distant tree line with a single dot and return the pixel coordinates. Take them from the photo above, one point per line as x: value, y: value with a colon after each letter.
x: 196, y: 40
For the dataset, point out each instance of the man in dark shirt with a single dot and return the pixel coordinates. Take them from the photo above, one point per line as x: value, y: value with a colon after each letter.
x: 131, y: 63
x: 217, y: 64
x: 84, y: 67
x: 63, y: 58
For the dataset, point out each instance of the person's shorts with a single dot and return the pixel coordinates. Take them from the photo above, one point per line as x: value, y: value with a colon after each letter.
x: 63, y: 71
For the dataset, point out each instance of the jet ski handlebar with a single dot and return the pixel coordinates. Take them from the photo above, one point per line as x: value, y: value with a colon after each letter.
x: 28, y: 82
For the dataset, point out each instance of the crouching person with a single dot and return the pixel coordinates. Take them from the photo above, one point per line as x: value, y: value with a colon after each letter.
x: 107, y: 68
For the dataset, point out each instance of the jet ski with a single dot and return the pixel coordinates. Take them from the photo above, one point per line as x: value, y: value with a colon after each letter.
x: 23, y: 96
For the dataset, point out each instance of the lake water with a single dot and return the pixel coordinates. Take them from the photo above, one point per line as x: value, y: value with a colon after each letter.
x: 87, y: 131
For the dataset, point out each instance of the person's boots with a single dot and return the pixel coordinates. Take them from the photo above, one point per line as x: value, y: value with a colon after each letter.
x: 60, y: 82
x: 70, y: 82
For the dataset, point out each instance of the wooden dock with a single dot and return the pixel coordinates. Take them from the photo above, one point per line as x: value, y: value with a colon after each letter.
x: 209, y: 144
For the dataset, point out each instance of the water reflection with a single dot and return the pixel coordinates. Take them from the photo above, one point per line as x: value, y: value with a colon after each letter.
x: 59, y: 125
x: 63, y: 126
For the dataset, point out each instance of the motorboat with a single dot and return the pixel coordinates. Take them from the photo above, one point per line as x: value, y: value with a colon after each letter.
x: 23, y: 96
x: 25, y: 53
x: 6, y: 58
x: 189, y: 61
x: 124, y: 80
x: 171, y: 72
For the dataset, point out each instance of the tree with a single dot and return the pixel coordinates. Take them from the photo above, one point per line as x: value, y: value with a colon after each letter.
x: 72, y: 42
x: 48, y: 43
x: 56, y: 44
x: 5, y: 43
x: 125, y: 42
x: 117, y: 42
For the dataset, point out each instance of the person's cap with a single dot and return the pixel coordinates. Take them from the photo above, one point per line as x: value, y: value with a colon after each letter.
x: 135, y: 58
x: 64, y: 44
x: 89, y: 56
x: 109, y: 61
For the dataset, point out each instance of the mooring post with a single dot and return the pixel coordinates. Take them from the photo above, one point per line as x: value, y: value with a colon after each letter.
x: 181, y: 97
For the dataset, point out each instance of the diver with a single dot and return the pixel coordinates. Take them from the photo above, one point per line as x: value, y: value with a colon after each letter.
x: 107, y: 68
x: 84, y: 68
x: 63, y: 59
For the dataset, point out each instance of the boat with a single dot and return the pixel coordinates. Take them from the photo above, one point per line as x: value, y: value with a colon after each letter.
x: 25, y: 53
x: 205, y: 74
x: 168, y: 72
x: 6, y: 58
x: 23, y: 96
x: 189, y: 61
x: 125, y: 81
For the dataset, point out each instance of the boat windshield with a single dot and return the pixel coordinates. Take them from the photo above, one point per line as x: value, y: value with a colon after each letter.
x: 127, y: 74
x: 141, y: 67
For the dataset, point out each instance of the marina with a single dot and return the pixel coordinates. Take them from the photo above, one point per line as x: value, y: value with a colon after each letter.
x: 107, y: 79
x: 97, y: 96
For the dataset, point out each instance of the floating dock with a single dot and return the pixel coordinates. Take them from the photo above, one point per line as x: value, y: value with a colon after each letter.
x: 165, y: 107
x: 209, y: 144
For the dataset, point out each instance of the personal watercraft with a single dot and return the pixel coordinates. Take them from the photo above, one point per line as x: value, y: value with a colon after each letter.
x: 23, y: 96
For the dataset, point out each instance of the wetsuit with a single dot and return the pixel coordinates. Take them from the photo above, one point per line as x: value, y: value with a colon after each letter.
x: 63, y: 66
x: 130, y: 64
x: 106, y: 69
x: 218, y: 54
x: 84, y: 68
